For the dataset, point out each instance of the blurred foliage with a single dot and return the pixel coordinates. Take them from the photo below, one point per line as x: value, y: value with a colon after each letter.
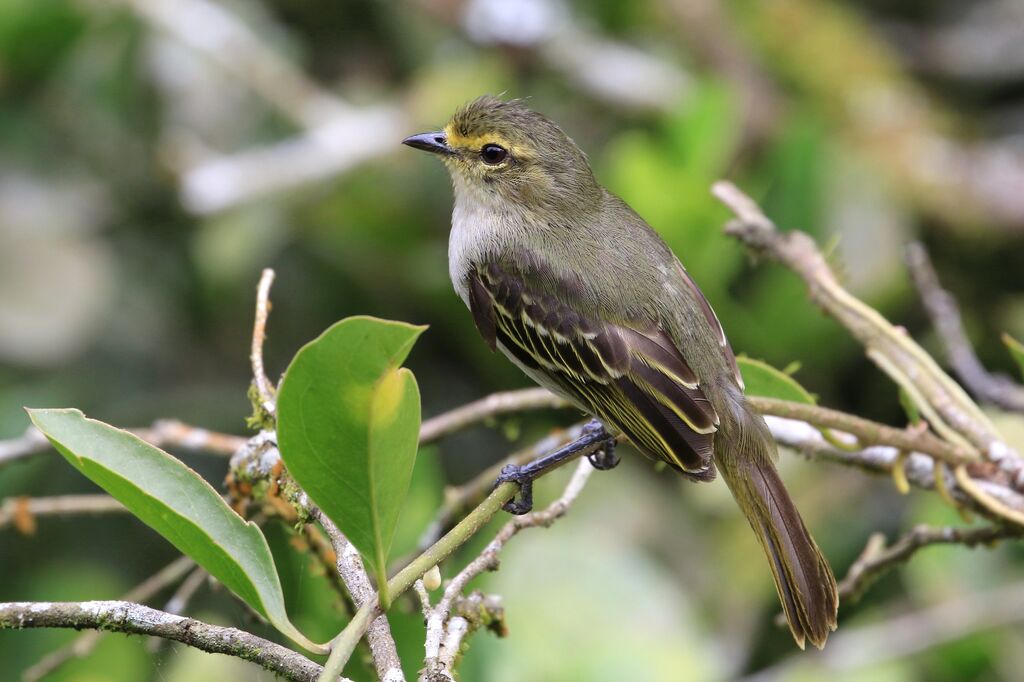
x: 115, y: 297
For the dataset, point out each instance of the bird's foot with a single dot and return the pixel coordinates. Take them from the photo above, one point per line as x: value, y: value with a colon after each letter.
x: 522, y: 503
x: 594, y: 433
x: 605, y: 457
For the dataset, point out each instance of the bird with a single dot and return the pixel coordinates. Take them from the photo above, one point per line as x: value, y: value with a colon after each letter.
x: 578, y: 291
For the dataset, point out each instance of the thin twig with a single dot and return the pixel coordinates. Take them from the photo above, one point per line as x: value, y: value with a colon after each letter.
x: 444, y: 632
x: 877, y: 558
x: 83, y: 645
x: 996, y: 389
x: 434, y: 555
x: 264, y: 389
x: 136, y: 619
x: 458, y: 500
x: 920, y: 469
x: 866, y: 431
x: 23, y: 511
x: 490, y: 406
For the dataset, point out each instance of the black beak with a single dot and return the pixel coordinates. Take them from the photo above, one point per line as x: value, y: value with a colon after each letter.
x: 436, y: 142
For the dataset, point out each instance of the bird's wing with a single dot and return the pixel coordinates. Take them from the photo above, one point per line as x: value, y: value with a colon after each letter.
x: 716, y: 325
x: 629, y: 375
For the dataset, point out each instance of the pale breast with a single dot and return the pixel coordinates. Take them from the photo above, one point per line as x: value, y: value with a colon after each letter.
x: 480, y: 231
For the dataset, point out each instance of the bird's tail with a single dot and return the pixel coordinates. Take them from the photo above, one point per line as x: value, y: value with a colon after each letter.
x: 744, y: 452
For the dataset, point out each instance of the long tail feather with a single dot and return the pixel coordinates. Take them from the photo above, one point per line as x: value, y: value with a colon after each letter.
x: 803, y: 578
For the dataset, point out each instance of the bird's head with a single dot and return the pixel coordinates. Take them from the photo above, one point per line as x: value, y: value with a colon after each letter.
x: 502, y: 154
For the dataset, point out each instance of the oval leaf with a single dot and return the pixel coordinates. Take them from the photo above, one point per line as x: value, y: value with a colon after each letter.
x: 179, y: 504
x: 761, y: 379
x: 1016, y: 350
x: 348, y: 428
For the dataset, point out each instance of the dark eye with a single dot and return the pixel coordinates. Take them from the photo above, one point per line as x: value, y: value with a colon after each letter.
x: 493, y: 154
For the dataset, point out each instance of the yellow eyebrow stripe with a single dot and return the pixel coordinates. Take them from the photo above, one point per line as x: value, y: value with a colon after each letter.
x: 473, y: 141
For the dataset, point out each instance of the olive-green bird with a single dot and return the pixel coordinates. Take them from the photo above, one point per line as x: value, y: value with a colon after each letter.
x: 579, y: 292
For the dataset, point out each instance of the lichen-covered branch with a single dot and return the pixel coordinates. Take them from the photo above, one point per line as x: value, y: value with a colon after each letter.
x: 866, y: 431
x: 84, y: 644
x: 356, y: 579
x: 943, y: 403
x: 136, y: 619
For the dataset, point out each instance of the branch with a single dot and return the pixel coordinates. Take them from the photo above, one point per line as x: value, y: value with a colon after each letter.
x: 353, y: 573
x: 22, y: 511
x: 459, y: 499
x: 434, y: 555
x: 877, y: 559
x: 444, y: 632
x: 83, y: 645
x: 866, y: 431
x: 493, y: 405
x: 945, y: 405
x: 136, y: 619
x: 996, y: 389
x: 920, y: 470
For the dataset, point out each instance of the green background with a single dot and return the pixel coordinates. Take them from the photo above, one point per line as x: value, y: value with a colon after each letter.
x: 858, y: 122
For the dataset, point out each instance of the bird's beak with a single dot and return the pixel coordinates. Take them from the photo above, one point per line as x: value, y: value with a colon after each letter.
x: 436, y: 142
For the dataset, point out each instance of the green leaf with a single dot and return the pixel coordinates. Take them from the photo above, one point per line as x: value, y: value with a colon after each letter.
x: 348, y: 428
x: 177, y: 503
x: 761, y: 379
x: 1016, y: 350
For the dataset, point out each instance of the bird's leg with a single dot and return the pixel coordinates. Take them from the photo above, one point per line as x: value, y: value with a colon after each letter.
x: 605, y: 457
x: 594, y: 433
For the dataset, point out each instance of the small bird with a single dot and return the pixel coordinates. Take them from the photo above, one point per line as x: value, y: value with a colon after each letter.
x: 578, y: 291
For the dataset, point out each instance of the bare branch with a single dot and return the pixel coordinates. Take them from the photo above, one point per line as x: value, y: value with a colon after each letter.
x: 136, y: 619
x: 490, y: 406
x: 866, y: 431
x: 920, y: 469
x: 22, y: 511
x: 327, y: 150
x: 877, y: 559
x: 264, y: 388
x: 444, y: 632
x: 83, y: 645
x: 32, y: 442
x: 945, y: 316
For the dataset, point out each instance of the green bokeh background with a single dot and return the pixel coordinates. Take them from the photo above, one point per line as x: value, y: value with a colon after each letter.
x: 117, y: 299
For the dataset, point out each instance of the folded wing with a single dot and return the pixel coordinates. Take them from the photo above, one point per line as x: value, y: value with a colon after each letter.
x: 634, y: 378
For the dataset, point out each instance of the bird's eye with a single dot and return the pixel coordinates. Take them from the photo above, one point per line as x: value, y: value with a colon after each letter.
x: 493, y: 154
